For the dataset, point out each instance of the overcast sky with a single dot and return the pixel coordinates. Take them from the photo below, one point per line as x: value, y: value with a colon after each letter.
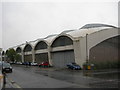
x: 27, y: 21
x: 0, y: 25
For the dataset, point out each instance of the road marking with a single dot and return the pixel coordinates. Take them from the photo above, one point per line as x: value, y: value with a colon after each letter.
x: 13, y: 83
x: 17, y: 86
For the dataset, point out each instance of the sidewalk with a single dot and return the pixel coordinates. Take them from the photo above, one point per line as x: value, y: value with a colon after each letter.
x: 11, y: 84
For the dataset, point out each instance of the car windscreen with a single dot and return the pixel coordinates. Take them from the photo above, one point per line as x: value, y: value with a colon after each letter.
x: 6, y: 64
x: 74, y: 64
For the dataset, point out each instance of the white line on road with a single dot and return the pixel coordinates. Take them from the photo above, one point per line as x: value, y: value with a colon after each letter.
x: 13, y: 84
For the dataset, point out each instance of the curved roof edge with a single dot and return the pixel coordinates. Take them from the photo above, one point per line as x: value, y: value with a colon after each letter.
x: 42, y: 40
x: 49, y: 36
x: 95, y: 25
x: 18, y: 47
x: 67, y: 31
x: 27, y: 44
x: 62, y: 34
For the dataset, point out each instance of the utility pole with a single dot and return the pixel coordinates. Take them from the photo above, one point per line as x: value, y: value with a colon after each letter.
x: 1, y: 54
x: 86, y: 48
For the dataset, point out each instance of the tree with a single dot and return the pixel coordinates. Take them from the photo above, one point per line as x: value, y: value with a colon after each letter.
x: 17, y: 57
x: 11, y: 54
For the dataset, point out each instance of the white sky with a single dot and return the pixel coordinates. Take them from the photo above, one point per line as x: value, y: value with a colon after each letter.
x: 0, y: 24
x: 26, y: 21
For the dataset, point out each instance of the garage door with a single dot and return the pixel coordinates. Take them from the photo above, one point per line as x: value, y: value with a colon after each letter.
x: 28, y: 58
x: 42, y: 57
x: 61, y: 58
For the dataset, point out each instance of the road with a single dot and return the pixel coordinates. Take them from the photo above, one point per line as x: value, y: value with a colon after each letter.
x: 35, y: 77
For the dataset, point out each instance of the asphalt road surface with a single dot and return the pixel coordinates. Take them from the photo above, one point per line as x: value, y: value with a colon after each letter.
x: 35, y: 77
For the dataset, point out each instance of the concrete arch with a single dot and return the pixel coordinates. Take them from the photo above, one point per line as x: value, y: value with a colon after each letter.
x: 6, y: 51
x: 105, y: 51
x: 28, y: 53
x: 101, y: 36
x: 99, y: 42
x: 41, y: 42
x: 41, y: 51
x: 18, y: 49
x: 62, y: 51
x: 3, y: 52
x: 28, y: 47
x: 20, y: 52
x: 62, y: 35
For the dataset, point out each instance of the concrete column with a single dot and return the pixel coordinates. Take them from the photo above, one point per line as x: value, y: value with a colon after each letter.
x: 5, y: 58
x: 49, y: 56
x: 33, y: 55
x: 22, y: 53
x: 78, y: 52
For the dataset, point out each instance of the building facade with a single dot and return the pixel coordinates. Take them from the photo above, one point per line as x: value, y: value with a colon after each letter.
x: 91, y: 43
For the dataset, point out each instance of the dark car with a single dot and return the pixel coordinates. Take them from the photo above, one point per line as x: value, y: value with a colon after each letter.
x: 44, y: 64
x: 6, y: 67
x: 23, y: 63
x: 74, y: 66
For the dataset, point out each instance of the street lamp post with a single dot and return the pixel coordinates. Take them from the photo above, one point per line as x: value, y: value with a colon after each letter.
x: 1, y: 54
x: 86, y: 48
x: 1, y: 58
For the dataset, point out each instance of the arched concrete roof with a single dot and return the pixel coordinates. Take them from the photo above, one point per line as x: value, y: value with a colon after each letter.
x: 33, y: 43
x: 8, y: 49
x: 83, y: 32
x: 62, y: 34
x: 18, y: 47
x: 40, y: 41
x: 26, y: 45
x: 22, y: 46
x: 95, y: 25
x: 76, y: 34
x: 47, y: 40
x: 67, y: 31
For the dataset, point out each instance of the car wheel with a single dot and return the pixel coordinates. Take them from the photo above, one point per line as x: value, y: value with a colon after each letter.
x: 11, y: 71
x: 3, y: 71
x: 74, y: 68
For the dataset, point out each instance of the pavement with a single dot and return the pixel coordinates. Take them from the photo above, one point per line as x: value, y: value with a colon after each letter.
x: 11, y: 84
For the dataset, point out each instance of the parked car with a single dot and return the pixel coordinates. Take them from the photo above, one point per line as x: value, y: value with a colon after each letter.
x: 23, y: 63
x: 6, y: 67
x: 74, y: 66
x: 18, y: 63
x: 11, y: 62
x: 34, y: 64
x: 44, y: 64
